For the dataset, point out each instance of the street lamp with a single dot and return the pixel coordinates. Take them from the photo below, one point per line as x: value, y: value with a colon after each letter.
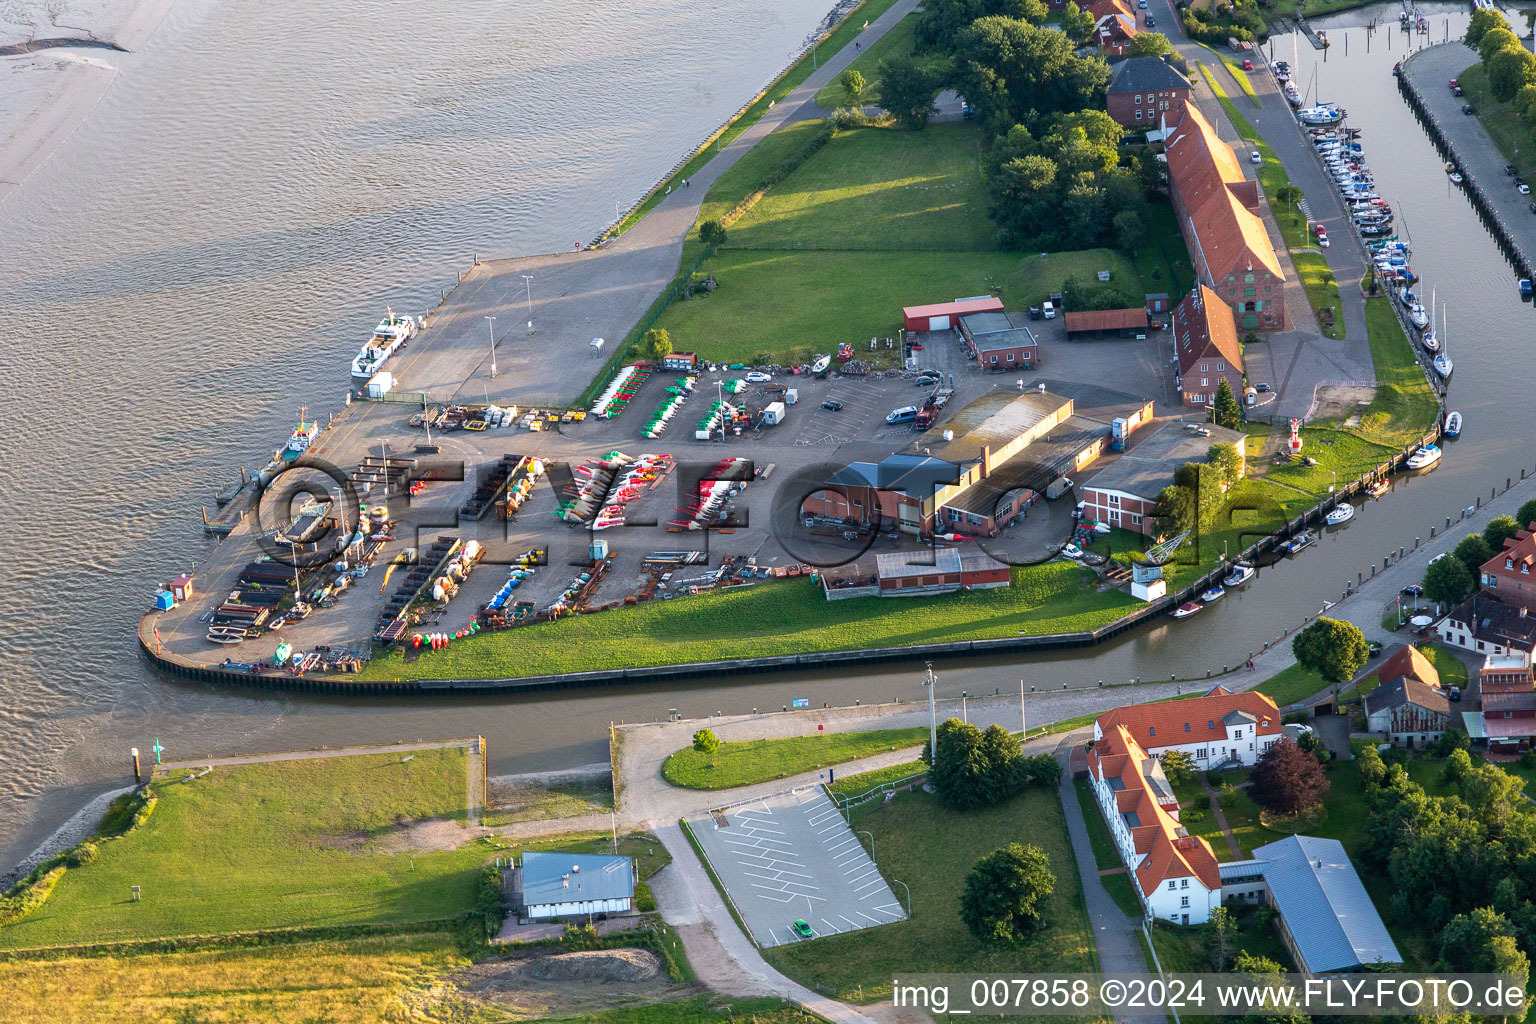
x: 528, y: 280
x: 933, y: 719
x: 871, y: 843
x: 909, y: 895
x: 491, y: 323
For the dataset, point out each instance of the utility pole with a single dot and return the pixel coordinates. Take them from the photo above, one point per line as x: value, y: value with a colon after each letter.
x: 528, y: 280
x: 933, y: 718
x: 491, y: 322
x: 1023, y: 717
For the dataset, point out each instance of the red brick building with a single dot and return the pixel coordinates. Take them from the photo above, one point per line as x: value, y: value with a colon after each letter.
x: 1508, y: 702
x: 1124, y: 493
x: 1000, y: 341
x: 1205, y: 343
x: 1142, y: 90
x: 1510, y: 575
x: 1218, y: 211
x: 1114, y: 26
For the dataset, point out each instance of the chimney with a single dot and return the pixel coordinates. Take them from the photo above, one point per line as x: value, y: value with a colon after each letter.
x: 986, y: 461
x: 565, y: 881
x: 575, y: 869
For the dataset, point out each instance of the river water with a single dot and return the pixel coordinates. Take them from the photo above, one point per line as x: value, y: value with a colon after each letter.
x: 255, y: 187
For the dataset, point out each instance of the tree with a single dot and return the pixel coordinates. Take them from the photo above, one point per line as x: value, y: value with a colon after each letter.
x: 1003, y: 892
x: 1447, y: 581
x: 1130, y: 229
x: 1218, y: 943
x: 1177, y: 510
x: 1498, y: 530
x: 655, y: 343
x: 1077, y: 23
x: 1287, y: 779
x: 1466, y: 942
x: 712, y: 233
x: 1334, y: 650
x: 1149, y: 44
x: 959, y: 770
x: 1373, y: 770
x: 705, y: 741
x: 1004, y: 761
x: 1473, y: 552
x: 1495, y: 39
x: 1270, y: 973
x: 1227, y: 459
x: 1483, y: 19
x: 1309, y: 743
x: 1526, y: 516
x: 1290, y: 195
x: 1179, y: 766
x: 1451, y: 741
x: 1014, y: 72
x: 1510, y: 69
x: 906, y: 90
x: 853, y: 86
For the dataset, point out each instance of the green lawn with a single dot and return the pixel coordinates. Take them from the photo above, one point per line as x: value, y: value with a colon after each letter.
x: 769, y: 619
x: 1184, y: 948
x: 1503, y: 124
x: 898, y: 42
x: 274, y: 845
x: 704, y: 1009
x: 1105, y: 853
x: 1453, y: 672
x: 847, y: 30
x: 1322, y: 289
x: 1341, y: 459
x: 1293, y: 684
x: 931, y: 849
x: 857, y: 785
x: 1405, y: 406
x: 878, y: 188
x: 1163, y: 260
x: 744, y: 762
x: 559, y: 800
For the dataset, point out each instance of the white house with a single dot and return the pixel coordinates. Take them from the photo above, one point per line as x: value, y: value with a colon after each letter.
x: 1175, y: 873
x: 1219, y: 729
x: 554, y: 885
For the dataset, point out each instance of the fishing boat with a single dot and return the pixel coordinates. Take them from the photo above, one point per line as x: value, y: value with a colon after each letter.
x: 1453, y: 425
x: 388, y: 338
x: 1340, y: 515
x: 1241, y: 573
x: 821, y: 364
x: 1187, y: 609
x: 1296, y: 543
x: 1378, y: 488
x: 1425, y: 457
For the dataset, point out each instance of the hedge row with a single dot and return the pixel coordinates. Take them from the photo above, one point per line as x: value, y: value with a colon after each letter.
x: 488, y: 907
x: 29, y: 894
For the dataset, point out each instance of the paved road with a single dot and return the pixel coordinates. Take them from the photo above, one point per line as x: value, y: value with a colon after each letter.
x: 1294, y: 361
x: 1429, y: 70
x: 577, y: 296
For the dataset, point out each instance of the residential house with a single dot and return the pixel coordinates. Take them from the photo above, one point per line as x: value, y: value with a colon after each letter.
x: 1205, y: 343
x: 1509, y: 576
x: 1408, y: 706
x: 1485, y: 624
x: 1218, y: 212
x: 1507, y: 720
x: 1114, y: 26
x: 1142, y: 89
x: 1218, y: 729
x: 551, y: 885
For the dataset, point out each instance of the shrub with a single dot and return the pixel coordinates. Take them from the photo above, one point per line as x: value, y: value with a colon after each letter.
x: 488, y: 907
x: 82, y: 854
x: 31, y: 893
x: 645, y: 900
x: 147, y: 808
x: 705, y: 741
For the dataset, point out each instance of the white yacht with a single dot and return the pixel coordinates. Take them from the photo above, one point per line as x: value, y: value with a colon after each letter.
x: 1425, y: 457
x: 388, y: 338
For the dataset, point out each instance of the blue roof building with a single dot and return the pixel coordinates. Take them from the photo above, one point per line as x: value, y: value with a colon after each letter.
x: 1326, y: 918
x: 554, y: 884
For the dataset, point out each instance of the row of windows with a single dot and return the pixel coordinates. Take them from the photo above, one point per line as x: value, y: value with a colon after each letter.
x: 1206, y: 367
x: 1183, y: 884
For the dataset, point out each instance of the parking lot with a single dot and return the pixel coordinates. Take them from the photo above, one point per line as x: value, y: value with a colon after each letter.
x: 792, y: 858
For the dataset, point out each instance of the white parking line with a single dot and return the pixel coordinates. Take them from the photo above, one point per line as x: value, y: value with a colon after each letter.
x: 845, y: 842
x: 874, y: 919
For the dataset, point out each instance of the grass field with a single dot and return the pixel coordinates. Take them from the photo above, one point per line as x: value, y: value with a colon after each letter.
x: 1293, y: 684
x: 863, y: 782
x: 708, y: 1009
x: 878, y: 188
x: 898, y: 42
x: 791, y: 615
x: 358, y: 981
x: 931, y: 849
x: 744, y: 762
x: 275, y: 845
x: 559, y: 800
x: 1503, y: 124
x: 1105, y: 854
x: 1453, y: 672
x: 849, y: 29
x: 1322, y: 289
x: 1405, y: 406
x: 769, y: 299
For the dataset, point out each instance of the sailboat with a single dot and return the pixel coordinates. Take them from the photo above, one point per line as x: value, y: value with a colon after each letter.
x: 1429, y: 341
x: 1443, y: 361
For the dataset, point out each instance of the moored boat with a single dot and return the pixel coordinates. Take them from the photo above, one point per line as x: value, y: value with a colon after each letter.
x: 1443, y: 365
x: 1453, y: 424
x: 1425, y: 457
x: 1320, y: 116
x: 1340, y: 515
x: 1301, y: 540
x: 1213, y: 594
x: 1378, y: 488
x: 1187, y: 609
x: 1241, y: 573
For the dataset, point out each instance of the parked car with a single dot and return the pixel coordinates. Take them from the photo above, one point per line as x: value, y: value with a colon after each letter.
x: 757, y: 377
x: 803, y: 930
x: 1467, y: 108
x: 1318, y: 229
x: 1533, y: 207
x: 1048, y: 310
x: 832, y: 405
x: 1072, y: 551
x: 1247, y: 64
x: 1262, y: 388
x: 1455, y: 693
x: 1034, y: 312
x: 906, y: 414
x: 1454, y: 85
x: 1254, y: 157
x: 1413, y: 590
x: 1151, y: 21
x: 1509, y: 169
x: 1523, y: 189
x: 1322, y: 240
x: 1373, y: 647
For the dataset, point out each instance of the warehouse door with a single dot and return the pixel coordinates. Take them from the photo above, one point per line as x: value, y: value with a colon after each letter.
x: 938, y: 323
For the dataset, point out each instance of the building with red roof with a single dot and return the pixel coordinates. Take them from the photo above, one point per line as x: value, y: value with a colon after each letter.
x: 1218, y: 212
x: 1205, y: 343
x: 1114, y: 26
x: 1216, y: 730
x: 1510, y: 575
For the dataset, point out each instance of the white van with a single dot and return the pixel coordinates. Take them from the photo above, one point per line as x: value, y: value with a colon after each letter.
x: 1048, y: 310
x: 906, y: 414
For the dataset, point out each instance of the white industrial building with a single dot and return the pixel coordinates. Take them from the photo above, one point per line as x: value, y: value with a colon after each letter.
x: 553, y: 885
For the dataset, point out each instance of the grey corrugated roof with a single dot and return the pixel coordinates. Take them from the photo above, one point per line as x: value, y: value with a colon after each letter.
x: 1149, y: 465
x: 928, y: 562
x: 1145, y: 74
x: 1234, y: 869
x: 599, y: 877
x: 1325, y: 905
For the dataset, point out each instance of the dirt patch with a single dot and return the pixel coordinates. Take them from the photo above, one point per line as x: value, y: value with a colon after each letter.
x: 407, y: 835
x: 1340, y: 401
x: 541, y: 982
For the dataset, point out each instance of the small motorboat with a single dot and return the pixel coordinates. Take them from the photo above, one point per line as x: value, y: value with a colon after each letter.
x: 1241, y: 573
x: 1453, y: 425
x: 1456, y: 178
x: 1187, y: 609
x: 1378, y: 488
x: 1525, y: 287
x: 281, y: 654
x: 1443, y: 365
x: 1340, y: 515
x: 1296, y: 543
x: 1320, y: 116
x: 1213, y: 594
x: 1425, y: 457
x: 821, y: 364
x: 227, y: 638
